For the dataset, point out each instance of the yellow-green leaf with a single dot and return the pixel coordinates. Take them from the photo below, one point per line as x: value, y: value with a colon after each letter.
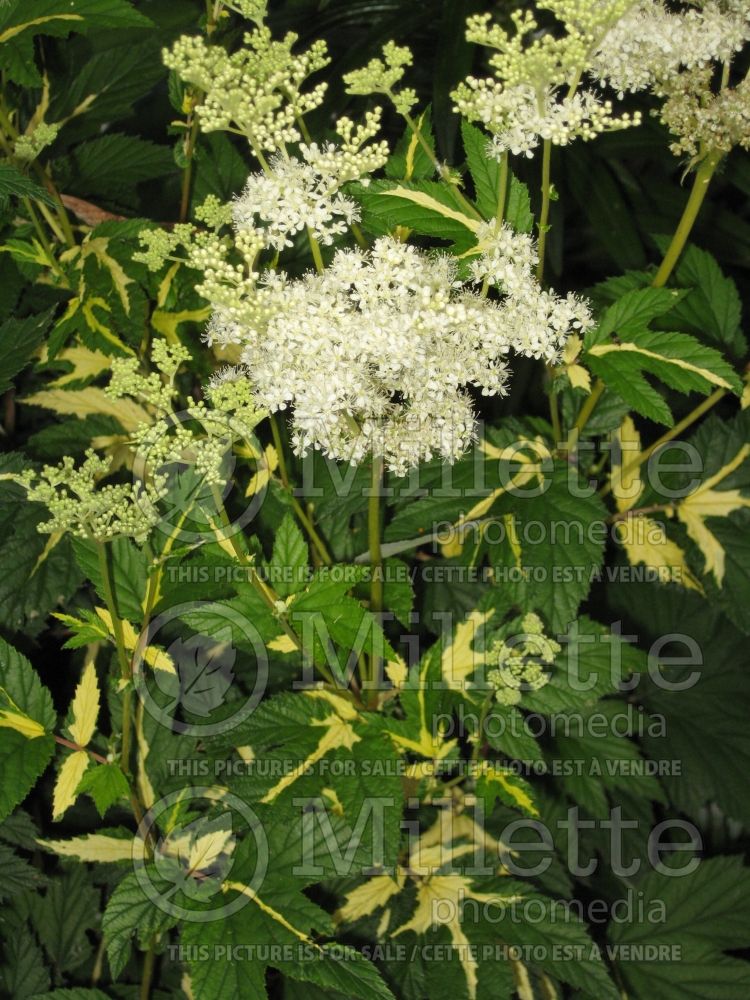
x: 67, y: 782
x: 85, y: 706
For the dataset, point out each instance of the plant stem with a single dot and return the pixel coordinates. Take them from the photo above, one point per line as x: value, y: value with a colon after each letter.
x: 373, y: 537
x: 315, y: 248
x: 149, y: 962
x: 588, y: 407
x: 678, y: 428
x: 376, y: 553
x: 697, y: 195
x: 654, y: 508
x: 75, y: 746
x: 122, y: 656
x: 546, y: 199
x: 317, y: 542
x: 502, y: 191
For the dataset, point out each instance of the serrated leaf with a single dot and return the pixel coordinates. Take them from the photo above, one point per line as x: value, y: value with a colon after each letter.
x: 706, y: 915
x: 109, y: 163
x: 14, y: 184
x: 130, y: 913
x: 106, y: 784
x: 98, y: 847
x: 19, y: 339
x: 64, y: 915
x: 61, y: 17
x: 85, y: 706
x: 427, y: 207
x: 289, y: 561
x: 22, y: 760
x: 68, y: 779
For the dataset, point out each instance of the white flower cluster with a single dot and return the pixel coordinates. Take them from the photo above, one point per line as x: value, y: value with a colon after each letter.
x: 518, y: 118
x: 255, y: 91
x: 533, y: 95
x: 651, y: 44
x: 376, y: 354
x: 304, y: 192
x: 675, y: 53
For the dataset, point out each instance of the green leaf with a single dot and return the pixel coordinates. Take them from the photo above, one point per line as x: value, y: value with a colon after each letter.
x: 634, y: 311
x: 19, y: 339
x: 707, y: 914
x: 17, y: 874
x: 710, y: 770
x: 324, y: 612
x: 561, y: 547
x: 39, y: 570
x: 63, y: 915
x: 288, y: 565
x: 61, y: 17
x: 110, y: 80
x: 110, y: 163
x: 14, y: 184
x: 22, y: 760
x: 219, y: 169
x: 428, y: 207
x: 128, y: 565
x: 130, y: 913
x: 485, y: 173
x: 712, y: 310
x: 23, y: 973
x: 106, y: 784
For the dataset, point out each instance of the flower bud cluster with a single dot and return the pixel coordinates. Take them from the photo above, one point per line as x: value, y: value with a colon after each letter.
x: 79, y: 505
x: 255, y: 91
x: 29, y: 146
x: 380, y: 76
x: 521, y: 662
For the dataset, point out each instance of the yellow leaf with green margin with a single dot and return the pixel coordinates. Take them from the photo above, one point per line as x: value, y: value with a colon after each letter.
x: 68, y: 779
x: 85, y: 706
x: 709, y: 502
x: 88, y: 401
x: 155, y: 658
x: 91, y: 847
x: 369, y: 897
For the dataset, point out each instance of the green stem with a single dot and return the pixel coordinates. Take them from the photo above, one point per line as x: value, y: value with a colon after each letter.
x: 374, y: 528
x: 373, y: 537
x: 588, y: 407
x: 306, y: 522
x: 695, y: 201
x: 148, y: 972
x: 315, y: 248
x: 546, y: 199
x: 267, y: 593
x: 122, y: 656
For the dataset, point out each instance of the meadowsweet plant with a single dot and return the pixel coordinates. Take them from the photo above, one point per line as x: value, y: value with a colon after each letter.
x: 375, y: 500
